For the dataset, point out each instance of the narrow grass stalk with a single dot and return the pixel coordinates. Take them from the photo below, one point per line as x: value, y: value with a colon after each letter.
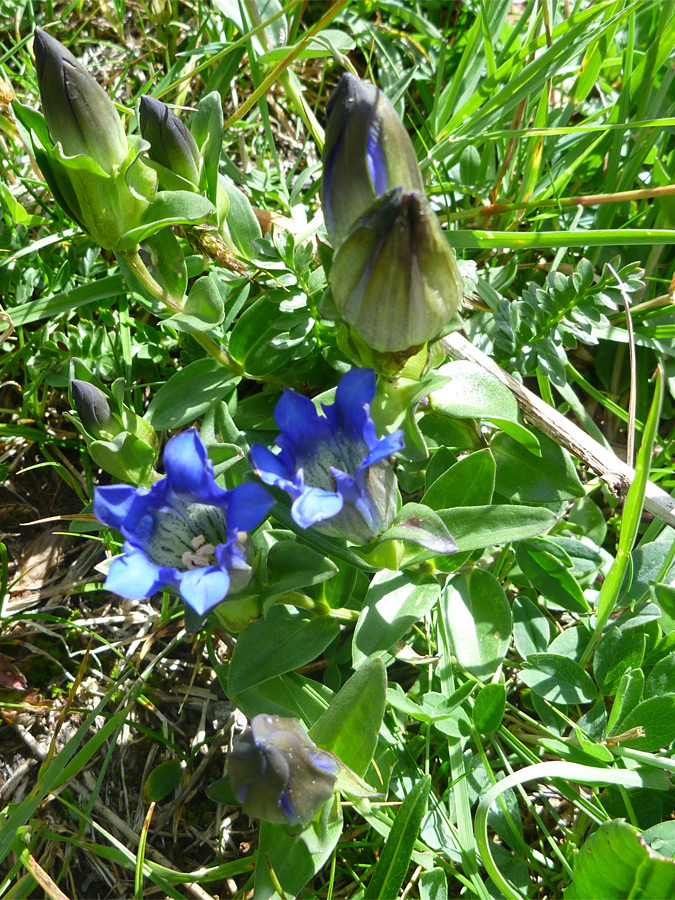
x: 550, y: 240
x: 612, y: 585
x: 459, y: 774
x: 541, y: 771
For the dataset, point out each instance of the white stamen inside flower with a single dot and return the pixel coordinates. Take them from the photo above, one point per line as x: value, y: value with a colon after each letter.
x: 203, y: 554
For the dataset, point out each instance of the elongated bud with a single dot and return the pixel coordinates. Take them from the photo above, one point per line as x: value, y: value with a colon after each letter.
x: 78, y: 112
x: 367, y: 152
x: 94, y: 171
x: 171, y: 143
x: 92, y: 407
x: 395, y: 279
x: 278, y: 773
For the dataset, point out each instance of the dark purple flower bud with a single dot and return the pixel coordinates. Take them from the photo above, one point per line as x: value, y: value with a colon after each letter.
x: 171, y: 143
x: 78, y: 112
x: 367, y: 152
x: 92, y: 407
x: 279, y: 774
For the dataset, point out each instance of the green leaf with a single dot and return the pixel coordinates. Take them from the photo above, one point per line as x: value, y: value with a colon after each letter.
x: 526, y: 478
x: 241, y: 222
x: 394, y: 603
x: 295, y: 858
x: 558, y: 679
x: 661, y: 838
x: 163, y: 779
x: 166, y: 263
x: 291, y: 695
x: 433, y: 885
x: 628, y: 695
x: 203, y: 309
x: 473, y: 392
x: 284, y: 640
x: 531, y: 629
x: 168, y: 208
x: 617, y: 651
x: 188, y: 394
x: 394, y: 860
x: 656, y: 716
x: 207, y: 130
x: 661, y: 679
x: 489, y: 707
x: 323, y: 45
x: 251, y: 336
x: 470, y: 482
x: 350, y: 726
x: 418, y: 524
x: 289, y: 570
x: 475, y: 527
x: 545, y: 565
x: 126, y: 457
x: 615, y: 862
x: 477, y: 620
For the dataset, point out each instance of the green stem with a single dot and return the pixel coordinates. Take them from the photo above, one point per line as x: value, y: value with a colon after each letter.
x: 460, y: 787
x: 213, y: 348
x: 630, y: 521
x: 320, y: 607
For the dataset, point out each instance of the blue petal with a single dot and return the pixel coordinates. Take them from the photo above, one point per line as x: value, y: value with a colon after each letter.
x: 390, y: 444
x: 113, y: 504
x: 297, y: 417
x: 186, y: 463
x: 248, y: 505
x: 351, y: 411
x: 376, y: 159
x: 314, y: 505
x: 133, y: 575
x: 287, y: 810
x: 203, y: 588
x: 268, y: 465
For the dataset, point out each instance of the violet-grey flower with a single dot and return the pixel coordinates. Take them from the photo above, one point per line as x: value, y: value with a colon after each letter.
x: 185, y: 531
x: 278, y: 773
x: 333, y: 466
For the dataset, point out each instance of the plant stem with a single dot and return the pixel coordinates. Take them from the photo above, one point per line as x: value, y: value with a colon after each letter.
x: 138, y: 268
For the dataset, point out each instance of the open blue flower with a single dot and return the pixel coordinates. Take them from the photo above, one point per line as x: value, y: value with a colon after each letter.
x: 333, y: 466
x: 184, y: 531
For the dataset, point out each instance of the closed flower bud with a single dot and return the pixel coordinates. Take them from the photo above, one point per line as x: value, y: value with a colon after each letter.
x: 367, y: 152
x: 94, y: 171
x: 395, y: 279
x: 171, y: 144
x: 93, y: 408
x: 278, y: 773
x: 78, y: 112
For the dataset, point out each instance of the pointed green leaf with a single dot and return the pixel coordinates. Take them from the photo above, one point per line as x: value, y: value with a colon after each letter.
x: 394, y: 860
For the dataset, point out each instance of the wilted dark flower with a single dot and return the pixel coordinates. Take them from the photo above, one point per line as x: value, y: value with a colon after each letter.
x: 278, y: 773
x: 185, y: 531
x: 171, y: 143
x: 334, y: 466
x: 395, y: 279
x: 367, y: 152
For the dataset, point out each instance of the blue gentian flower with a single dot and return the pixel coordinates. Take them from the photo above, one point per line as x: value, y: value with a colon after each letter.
x: 278, y: 773
x: 333, y: 466
x: 185, y: 531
